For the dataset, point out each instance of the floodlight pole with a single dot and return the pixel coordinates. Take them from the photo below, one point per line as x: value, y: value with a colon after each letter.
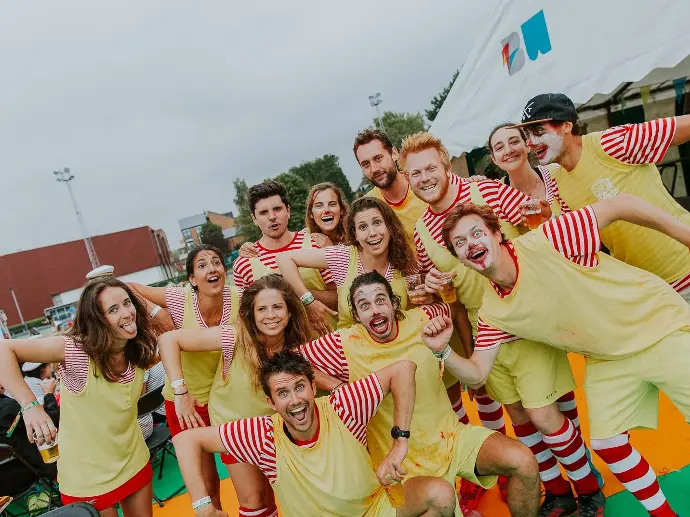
x: 374, y: 101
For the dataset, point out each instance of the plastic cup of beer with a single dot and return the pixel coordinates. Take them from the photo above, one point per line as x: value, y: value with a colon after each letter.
x: 412, y: 282
x: 49, y: 451
x: 532, y: 215
x: 447, y: 290
x: 395, y: 494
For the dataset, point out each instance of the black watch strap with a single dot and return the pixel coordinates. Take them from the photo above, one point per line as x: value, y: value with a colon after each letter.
x: 396, y: 433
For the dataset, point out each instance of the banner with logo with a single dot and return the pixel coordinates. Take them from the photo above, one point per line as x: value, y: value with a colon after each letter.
x: 539, y: 46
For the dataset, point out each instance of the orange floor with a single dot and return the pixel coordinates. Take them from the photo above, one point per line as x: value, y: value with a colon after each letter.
x: 667, y: 450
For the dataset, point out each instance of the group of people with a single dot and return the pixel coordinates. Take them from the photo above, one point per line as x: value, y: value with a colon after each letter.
x: 329, y: 373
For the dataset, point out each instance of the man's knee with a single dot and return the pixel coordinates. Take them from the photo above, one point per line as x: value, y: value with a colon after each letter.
x: 501, y: 455
x: 547, y: 419
x: 441, y: 496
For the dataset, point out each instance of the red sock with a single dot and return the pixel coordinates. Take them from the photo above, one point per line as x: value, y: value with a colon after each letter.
x: 259, y: 512
x: 491, y: 413
x: 549, y: 473
x: 567, y: 445
x: 567, y: 405
x: 460, y: 411
x: 633, y: 471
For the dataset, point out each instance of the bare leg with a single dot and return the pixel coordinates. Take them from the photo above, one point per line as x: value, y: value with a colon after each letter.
x: 211, y: 479
x: 517, y: 413
x: 110, y: 512
x: 503, y: 456
x: 251, y: 486
x: 427, y: 497
x: 547, y: 419
x: 139, y: 503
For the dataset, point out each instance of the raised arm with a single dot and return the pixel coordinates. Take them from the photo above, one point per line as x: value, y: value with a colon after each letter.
x: 399, y: 380
x: 682, y: 134
x: 314, y: 258
x: 15, y: 351
x: 626, y: 207
x: 170, y: 346
x: 153, y: 294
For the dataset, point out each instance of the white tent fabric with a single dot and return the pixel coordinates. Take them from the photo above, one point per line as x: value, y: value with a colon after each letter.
x: 578, y: 48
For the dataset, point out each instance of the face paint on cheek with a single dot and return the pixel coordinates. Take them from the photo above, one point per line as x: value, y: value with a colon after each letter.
x: 553, y: 142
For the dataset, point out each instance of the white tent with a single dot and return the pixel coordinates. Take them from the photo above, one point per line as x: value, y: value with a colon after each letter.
x: 579, y: 48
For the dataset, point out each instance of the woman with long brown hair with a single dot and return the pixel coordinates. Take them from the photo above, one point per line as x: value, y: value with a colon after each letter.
x: 376, y: 241
x: 271, y: 319
x: 207, y: 302
x: 326, y: 213
x: 103, y: 456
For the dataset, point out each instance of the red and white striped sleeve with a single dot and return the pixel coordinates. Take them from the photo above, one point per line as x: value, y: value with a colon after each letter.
x: 356, y: 403
x: 489, y: 337
x: 227, y: 347
x: 436, y: 309
x: 423, y: 259
x: 242, y: 273
x: 327, y: 355
x: 639, y: 143
x: 338, y: 258
x: 575, y: 235
x: 250, y: 440
x: 503, y: 199
x: 551, y: 187
x: 174, y: 301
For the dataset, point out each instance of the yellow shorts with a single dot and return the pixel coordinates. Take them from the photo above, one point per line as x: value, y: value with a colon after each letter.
x: 381, y: 506
x: 623, y: 394
x: 534, y: 373
x: 468, y: 440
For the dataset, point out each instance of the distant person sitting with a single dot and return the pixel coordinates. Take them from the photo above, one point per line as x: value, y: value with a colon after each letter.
x: 14, y: 475
x: 154, y: 377
x: 35, y: 374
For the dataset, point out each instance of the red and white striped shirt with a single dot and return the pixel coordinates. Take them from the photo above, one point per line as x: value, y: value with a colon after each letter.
x: 242, y: 268
x: 504, y: 200
x: 74, y: 370
x: 251, y: 440
x: 174, y: 300
x: 636, y: 144
x: 574, y: 235
x: 338, y: 258
x: 327, y: 354
x: 227, y: 347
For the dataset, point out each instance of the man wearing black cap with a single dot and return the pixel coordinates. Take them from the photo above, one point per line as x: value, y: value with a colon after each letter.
x: 598, y: 166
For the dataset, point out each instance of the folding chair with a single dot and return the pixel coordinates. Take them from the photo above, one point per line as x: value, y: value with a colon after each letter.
x: 8, y: 454
x: 74, y: 510
x: 159, y: 443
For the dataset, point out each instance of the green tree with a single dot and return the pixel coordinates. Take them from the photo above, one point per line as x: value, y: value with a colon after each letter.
x: 245, y: 226
x: 399, y: 125
x: 212, y: 234
x: 437, y: 102
x: 297, y: 192
x: 318, y: 170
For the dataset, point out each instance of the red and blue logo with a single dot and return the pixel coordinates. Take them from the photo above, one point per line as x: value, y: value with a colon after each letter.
x: 535, y: 34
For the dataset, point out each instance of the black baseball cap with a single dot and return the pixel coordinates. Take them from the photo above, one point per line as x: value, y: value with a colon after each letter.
x: 548, y: 106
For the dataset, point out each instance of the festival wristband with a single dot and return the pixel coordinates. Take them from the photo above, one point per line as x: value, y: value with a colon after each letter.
x: 444, y: 354
x: 155, y: 310
x: 306, y: 298
x: 200, y: 503
x: 177, y: 383
x: 29, y: 405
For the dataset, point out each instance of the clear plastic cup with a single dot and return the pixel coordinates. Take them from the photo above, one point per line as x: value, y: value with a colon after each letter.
x: 447, y: 291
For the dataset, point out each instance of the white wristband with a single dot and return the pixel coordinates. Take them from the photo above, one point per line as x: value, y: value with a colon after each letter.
x: 155, y: 310
x: 200, y: 503
x: 177, y: 383
x: 444, y: 354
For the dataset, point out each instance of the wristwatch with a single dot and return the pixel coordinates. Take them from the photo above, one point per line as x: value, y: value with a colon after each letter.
x: 396, y: 433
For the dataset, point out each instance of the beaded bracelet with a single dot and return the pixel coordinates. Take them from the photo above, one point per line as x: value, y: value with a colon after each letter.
x: 200, y: 503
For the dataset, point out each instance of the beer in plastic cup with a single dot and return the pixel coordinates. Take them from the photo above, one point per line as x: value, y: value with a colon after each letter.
x: 412, y: 282
x: 49, y: 452
x: 395, y: 494
x: 532, y: 215
x: 447, y: 290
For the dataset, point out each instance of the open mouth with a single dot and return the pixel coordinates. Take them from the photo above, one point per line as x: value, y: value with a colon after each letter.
x: 299, y: 413
x: 271, y: 325
x: 213, y: 279
x: 428, y: 188
x: 379, y: 325
x: 275, y: 226
x: 540, y: 151
x: 477, y: 254
x: 130, y: 328
x: 327, y: 219
x: 375, y: 243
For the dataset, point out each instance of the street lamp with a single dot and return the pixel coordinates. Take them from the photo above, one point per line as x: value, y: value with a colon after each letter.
x: 374, y: 101
x: 65, y: 176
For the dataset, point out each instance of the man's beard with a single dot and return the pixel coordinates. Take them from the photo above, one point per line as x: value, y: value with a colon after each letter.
x: 388, y: 179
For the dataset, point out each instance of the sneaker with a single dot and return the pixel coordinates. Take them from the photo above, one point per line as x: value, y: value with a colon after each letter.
x: 558, y: 505
x: 595, y: 471
x: 503, y: 488
x: 591, y: 505
x: 468, y: 496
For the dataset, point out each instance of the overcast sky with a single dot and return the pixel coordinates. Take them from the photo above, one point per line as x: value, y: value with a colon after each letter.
x: 156, y: 106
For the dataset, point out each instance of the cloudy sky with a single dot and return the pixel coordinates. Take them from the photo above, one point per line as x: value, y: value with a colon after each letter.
x: 157, y: 106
